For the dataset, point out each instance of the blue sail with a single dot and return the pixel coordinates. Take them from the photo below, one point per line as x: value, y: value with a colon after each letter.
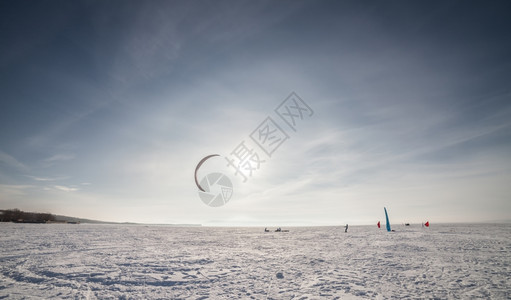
x: 387, y: 219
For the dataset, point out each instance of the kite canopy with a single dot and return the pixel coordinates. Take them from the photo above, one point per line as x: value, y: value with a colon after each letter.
x: 197, y: 169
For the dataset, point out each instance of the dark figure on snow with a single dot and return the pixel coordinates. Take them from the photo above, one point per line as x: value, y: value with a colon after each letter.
x: 346, y: 228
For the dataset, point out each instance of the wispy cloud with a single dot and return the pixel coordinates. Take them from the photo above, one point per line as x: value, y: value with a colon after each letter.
x: 9, y: 190
x: 59, y: 157
x: 66, y: 188
x: 11, y: 161
x: 36, y: 178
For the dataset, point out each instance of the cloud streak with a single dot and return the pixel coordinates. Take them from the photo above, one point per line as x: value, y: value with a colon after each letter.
x: 65, y: 188
x: 12, y: 162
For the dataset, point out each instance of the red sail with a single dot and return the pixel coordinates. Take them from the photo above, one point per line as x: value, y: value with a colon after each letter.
x: 426, y: 224
x: 378, y: 224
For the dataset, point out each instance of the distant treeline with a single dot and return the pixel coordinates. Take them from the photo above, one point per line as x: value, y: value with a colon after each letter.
x: 16, y: 215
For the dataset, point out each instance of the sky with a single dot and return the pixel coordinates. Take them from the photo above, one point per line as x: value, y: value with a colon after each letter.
x: 107, y: 107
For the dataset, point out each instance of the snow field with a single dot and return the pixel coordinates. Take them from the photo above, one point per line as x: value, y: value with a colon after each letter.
x: 162, y: 262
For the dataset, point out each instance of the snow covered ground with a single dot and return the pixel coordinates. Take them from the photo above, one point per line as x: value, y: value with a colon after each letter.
x: 158, y: 262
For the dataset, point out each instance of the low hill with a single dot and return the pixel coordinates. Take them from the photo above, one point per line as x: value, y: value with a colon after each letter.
x: 16, y: 215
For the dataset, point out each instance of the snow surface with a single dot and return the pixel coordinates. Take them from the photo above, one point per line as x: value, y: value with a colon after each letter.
x: 162, y: 262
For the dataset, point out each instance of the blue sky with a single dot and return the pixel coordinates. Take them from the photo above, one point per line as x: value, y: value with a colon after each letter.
x: 107, y: 107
